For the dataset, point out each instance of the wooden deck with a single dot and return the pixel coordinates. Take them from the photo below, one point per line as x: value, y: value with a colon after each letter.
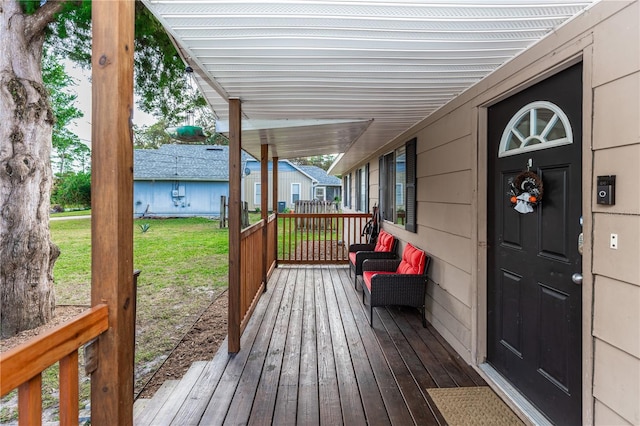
x: 310, y: 357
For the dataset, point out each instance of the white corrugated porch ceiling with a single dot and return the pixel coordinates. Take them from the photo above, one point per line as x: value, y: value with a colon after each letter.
x: 322, y: 77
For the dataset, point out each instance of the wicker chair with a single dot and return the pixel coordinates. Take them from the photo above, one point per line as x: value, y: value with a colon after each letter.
x: 385, y: 248
x: 396, y: 282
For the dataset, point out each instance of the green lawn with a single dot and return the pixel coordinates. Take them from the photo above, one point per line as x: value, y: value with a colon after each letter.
x: 183, y: 264
x: 72, y: 213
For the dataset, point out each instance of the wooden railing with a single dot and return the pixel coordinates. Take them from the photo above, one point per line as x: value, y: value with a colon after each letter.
x: 320, y: 238
x: 22, y: 366
x: 271, y: 241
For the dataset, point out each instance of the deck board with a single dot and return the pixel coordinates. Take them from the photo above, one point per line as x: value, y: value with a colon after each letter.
x: 309, y: 357
x: 287, y: 393
x: 372, y: 402
x: 329, y: 396
x: 308, y: 404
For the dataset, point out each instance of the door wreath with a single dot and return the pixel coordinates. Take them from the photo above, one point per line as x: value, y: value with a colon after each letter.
x: 525, y: 191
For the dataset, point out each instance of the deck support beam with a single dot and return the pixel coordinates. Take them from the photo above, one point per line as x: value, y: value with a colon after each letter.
x: 235, y: 226
x: 274, y: 183
x: 112, y: 209
x: 264, y: 208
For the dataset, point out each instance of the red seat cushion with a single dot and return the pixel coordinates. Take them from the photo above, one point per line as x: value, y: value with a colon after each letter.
x: 366, y: 276
x: 352, y: 257
x: 384, y: 242
x: 413, y: 261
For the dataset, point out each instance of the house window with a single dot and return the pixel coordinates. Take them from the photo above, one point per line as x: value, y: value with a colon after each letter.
x: 387, y: 190
x: 295, y: 192
x: 538, y: 125
x: 362, y: 184
x: 257, y: 194
x: 398, y: 186
x: 319, y: 193
x: 400, y: 178
x: 346, y: 183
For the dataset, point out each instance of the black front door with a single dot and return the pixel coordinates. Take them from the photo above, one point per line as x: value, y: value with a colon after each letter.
x: 534, y: 306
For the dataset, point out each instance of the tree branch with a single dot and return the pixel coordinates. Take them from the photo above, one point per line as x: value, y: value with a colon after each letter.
x: 36, y: 23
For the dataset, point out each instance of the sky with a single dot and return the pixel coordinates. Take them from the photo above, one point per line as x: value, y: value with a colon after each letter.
x: 82, y: 126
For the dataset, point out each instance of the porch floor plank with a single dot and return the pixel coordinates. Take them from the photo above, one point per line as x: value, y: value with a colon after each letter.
x: 308, y: 402
x: 309, y: 357
x: 372, y: 402
x: 287, y: 393
x: 329, y: 394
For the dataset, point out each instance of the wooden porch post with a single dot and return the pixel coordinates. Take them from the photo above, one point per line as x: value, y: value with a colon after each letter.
x: 112, y: 209
x: 235, y: 166
x: 274, y: 183
x: 264, y: 207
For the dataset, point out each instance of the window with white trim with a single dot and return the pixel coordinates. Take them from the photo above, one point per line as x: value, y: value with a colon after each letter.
x: 361, y: 189
x: 346, y: 184
x: 295, y: 192
x: 538, y: 125
x: 398, y: 186
x: 257, y: 194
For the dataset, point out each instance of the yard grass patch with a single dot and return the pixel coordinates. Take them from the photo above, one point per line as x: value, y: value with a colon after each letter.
x: 183, y: 264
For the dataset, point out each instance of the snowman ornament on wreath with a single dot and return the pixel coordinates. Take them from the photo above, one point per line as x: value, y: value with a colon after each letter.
x: 525, y: 191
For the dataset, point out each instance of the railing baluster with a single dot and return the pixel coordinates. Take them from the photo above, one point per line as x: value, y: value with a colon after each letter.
x: 319, y: 232
x: 69, y: 390
x: 30, y: 402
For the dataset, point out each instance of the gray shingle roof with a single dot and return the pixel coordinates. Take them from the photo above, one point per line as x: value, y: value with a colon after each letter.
x: 183, y: 162
x: 320, y: 175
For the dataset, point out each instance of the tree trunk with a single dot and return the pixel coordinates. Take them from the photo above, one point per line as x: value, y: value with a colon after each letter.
x: 27, y: 254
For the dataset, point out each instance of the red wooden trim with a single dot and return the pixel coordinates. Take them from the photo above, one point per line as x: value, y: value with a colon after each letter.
x: 264, y: 205
x: 252, y: 307
x: 23, y: 362
x: 312, y: 262
x: 111, y: 208
x: 69, y: 390
x: 247, y: 232
x: 274, y: 183
x: 235, y: 249
x: 30, y: 402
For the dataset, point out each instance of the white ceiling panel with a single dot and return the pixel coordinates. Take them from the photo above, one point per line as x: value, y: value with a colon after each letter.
x: 353, y: 74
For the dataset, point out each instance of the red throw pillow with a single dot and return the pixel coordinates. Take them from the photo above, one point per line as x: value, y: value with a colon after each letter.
x: 385, y: 242
x: 413, y: 261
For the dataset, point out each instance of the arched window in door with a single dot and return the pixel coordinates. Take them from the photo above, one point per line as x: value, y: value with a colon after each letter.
x: 538, y: 125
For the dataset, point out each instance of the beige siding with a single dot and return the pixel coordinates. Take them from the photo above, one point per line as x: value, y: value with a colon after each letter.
x: 623, y: 162
x: 606, y: 416
x: 616, y: 144
x: 617, y: 314
x: 451, y: 212
x: 613, y: 47
x: 616, y: 111
x: 616, y: 381
x: 284, y: 188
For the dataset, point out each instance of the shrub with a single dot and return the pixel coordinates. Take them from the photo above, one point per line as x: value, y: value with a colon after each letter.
x: 72, y: 189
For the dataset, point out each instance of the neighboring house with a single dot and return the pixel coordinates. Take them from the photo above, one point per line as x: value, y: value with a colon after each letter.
x: 180, y: 180
x: 188, y: 180
x: 326, y: 187
x: 293, y: 184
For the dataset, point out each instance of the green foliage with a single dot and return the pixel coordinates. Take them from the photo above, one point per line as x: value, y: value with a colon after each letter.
x: 160, y: 78
x: 144, y: 227
x: 68, y: 148
x: 159, y: 72
x: 72, y: 189
x: 151, y: 137
x: 322, y: 161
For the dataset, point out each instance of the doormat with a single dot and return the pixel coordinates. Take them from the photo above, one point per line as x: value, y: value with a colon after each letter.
x: 473, y: 406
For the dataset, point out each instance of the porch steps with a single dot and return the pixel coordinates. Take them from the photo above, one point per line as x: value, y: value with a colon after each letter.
x: 139, y: 406
x: 167, y: 405
x: 148, y: 413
